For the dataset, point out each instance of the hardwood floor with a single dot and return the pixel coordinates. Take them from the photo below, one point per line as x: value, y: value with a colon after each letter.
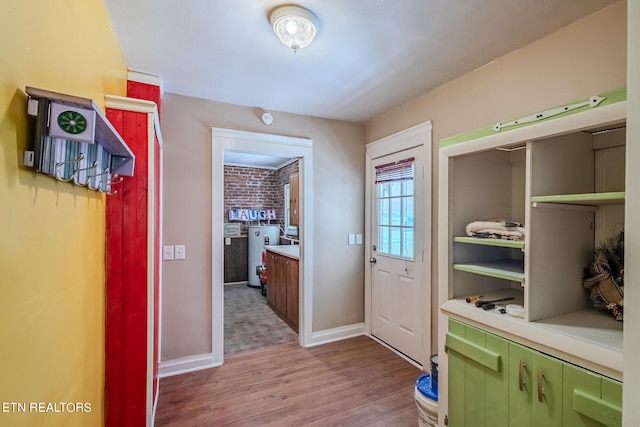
x: 355, y: 382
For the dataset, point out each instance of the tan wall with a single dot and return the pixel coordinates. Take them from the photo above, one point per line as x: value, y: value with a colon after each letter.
x: 338, y: 173
x: 583, y: 59
x: 52, y: 233
x: 631, y: 389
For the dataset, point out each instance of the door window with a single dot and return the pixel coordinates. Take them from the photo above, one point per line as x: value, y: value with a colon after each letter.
x: 395, y: 216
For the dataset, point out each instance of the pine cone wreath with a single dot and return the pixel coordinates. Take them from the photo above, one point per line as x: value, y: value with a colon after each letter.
x: 604, y: 277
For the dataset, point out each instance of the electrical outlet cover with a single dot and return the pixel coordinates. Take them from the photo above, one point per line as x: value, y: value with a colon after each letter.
x: 167, y: 253
x: 180, y: 252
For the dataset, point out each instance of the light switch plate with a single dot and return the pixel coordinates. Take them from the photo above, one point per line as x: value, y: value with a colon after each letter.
x: 352, y: 239
x: 180, y: 252
x: 358, y: 239
x: 167, y: 253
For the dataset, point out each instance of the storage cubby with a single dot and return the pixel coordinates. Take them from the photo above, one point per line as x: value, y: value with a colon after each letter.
x: 563, y: 179
x: 482, y: 266
x: 569, y: 216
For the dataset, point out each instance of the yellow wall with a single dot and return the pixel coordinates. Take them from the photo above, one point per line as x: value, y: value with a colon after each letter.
x: 52, y: 233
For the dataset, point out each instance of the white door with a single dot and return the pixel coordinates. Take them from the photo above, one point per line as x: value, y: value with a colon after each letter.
x: 397, y: 251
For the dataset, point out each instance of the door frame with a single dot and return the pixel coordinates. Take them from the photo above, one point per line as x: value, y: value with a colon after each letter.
x: 260, y: 143
x: 416, y: 136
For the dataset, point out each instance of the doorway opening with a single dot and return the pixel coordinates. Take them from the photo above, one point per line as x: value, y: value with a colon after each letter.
x: 256, y: 183
x: 226, y: 141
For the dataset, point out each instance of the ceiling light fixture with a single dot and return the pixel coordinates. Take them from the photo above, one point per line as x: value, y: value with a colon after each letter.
x: 295, y: 26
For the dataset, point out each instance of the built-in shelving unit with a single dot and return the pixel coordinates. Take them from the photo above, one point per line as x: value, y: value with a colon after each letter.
x: 567, y: 186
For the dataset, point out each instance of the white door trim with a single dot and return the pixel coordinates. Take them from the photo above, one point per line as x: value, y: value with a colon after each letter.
x: 416, y: 136
x: 283, y: 146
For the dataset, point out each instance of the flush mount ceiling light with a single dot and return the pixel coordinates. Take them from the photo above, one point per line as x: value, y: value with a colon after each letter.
x: 295, y: 26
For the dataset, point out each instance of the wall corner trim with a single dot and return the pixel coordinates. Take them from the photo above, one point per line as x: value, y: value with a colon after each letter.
x: 336, y: 334
x: 183, y: 365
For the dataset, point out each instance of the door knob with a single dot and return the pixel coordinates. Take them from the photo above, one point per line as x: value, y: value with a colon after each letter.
x: 372, y: 260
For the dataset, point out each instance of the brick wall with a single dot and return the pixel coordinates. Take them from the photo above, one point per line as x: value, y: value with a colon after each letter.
x: 253, y: 188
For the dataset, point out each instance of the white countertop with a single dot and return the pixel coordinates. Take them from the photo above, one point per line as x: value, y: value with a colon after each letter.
x: 291, y: 251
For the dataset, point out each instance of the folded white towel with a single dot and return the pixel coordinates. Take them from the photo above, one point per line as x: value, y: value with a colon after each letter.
x: 497, y: 229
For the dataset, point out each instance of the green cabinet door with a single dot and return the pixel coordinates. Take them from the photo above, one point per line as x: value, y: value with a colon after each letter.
x: 497, y: 384
x: 457, y: 377
x: 535, y: 388
x: 590, y: 399
x: 521, y: 385
x: 612, y: 395
x: 547, y: 394
x: 477, y: 378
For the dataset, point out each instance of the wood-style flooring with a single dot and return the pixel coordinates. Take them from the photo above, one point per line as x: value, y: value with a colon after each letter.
x: 249, y: 323
x: 354, y: 382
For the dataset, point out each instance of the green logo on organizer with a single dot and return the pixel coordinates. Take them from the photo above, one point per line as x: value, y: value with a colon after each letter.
x: 72, y: 122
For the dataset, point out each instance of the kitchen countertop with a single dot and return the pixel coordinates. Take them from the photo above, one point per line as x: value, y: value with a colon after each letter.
x: 291, y: 251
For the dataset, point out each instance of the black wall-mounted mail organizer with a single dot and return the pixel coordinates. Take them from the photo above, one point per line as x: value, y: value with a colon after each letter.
x: 74, y: 142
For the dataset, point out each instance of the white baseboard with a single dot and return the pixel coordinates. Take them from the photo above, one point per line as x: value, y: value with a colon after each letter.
x: 336, y: 334
x: 186, y: 364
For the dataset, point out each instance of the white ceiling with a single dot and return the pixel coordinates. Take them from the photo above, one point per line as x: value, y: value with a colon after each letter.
x: 254, y: 160
x: 369, y: 56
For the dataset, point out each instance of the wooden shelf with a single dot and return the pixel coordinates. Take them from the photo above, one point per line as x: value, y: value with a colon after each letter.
x: 50, y: 152
x: 517, y: 244
x: 501, y: 269
x: 587, y: 199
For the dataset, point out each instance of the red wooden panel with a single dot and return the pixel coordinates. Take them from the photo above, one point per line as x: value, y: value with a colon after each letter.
x: 113, y: 293
x: 145, y: 91
x: 151, y: 92
x: 126, y: 293
x: 135, y: 314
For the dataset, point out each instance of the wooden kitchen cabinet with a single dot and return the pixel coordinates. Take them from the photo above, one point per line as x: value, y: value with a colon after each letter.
x: 294, y: 196
x: 271, y: 279
x: 292, y: 291
x: 236, y: 259
x: 282, y: 287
